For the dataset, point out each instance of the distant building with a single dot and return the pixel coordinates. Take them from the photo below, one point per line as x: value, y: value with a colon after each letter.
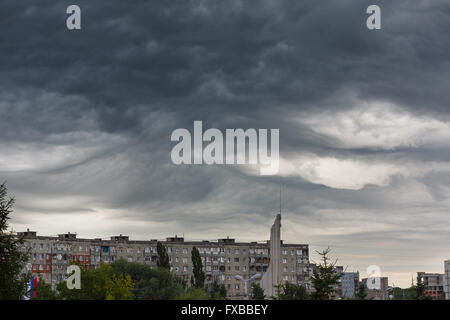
x: 382, y: 293
x: 349, y: 284
x: 222, y: 259
x: 447, y: 279
x: 434, y: 283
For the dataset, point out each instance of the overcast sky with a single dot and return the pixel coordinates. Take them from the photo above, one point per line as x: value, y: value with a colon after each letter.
x: 364, y: 118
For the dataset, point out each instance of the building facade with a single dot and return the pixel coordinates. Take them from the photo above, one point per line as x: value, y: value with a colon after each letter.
x: 381, y: 293
x: 223, y: 259
x: 349, y: 285
x: 434, y: 283
x: 447, y: 279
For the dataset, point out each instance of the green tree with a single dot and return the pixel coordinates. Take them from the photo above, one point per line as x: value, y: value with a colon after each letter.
x: 361, y: 294
x: 163, y: 257
x: 13, y: 282
x: 325, y: 278
x: 194, y: 293
x: 256, y: 292
x: 198, y: 279
x: 44, y: 290
x: 400, y: 293
x: 99, y: 284
x: 290, y: 291
x: 417, y: 291
x: 217, y: 291
x: 154, y: 284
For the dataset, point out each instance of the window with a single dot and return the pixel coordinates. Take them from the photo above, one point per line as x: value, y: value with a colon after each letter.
x: 236, y: 251
x: 284, y: 260
x: 236, y: 259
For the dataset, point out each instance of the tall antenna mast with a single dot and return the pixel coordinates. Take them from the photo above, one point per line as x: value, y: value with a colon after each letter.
x: 280, y: 199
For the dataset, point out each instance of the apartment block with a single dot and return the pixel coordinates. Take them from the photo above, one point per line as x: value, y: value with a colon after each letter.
x: 434, y: 283
x: 447, y: 279
x: 223, y: 259
x: 381, y: 293
x: 349, y: 285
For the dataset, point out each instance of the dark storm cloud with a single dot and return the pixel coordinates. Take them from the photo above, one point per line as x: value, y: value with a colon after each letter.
x: 86, y: 116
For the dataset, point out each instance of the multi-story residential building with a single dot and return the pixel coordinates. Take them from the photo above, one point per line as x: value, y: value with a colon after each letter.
x: 381, y: 293
x: 223, y: 259
x: 434, y: 283
x: 349, y: 284
x: 447, y: 279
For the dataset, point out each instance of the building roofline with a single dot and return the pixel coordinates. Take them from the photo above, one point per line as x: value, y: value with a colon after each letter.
x: 165, y: 242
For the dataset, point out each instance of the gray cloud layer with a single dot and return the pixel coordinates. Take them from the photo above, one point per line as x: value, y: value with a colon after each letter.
x: 364, y: 122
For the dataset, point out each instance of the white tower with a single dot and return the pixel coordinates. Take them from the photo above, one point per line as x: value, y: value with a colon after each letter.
x: 272, y: 276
